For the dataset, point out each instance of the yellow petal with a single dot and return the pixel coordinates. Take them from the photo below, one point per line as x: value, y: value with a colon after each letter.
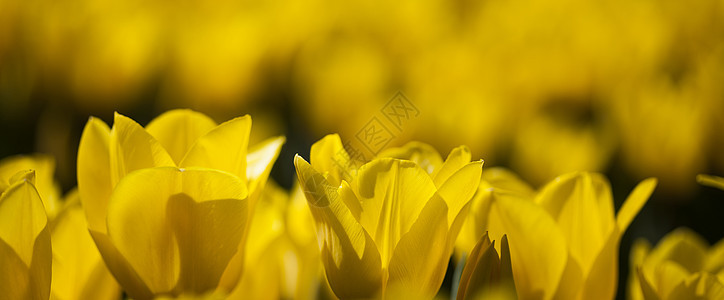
x: 121, y: 269
x: 260, y: 160
x: 44, y: 171
x: 349, y: 255
x: 683, y: 246
x: 481, y: 267
x: 504, y: 179
x: 668, y: 276
x: 392, y: 193
x: 94, y: 177
x: 14, y: 278
x: 602, y: 277
x: 572, y: 281
x: 457, y: 158
x: 223, y: 148
x: 138, y: 220
x: 582, y: 205
x: 78, y: 269
x: 420, y: 259
x: 458, y: 189
x: 24, y: 231
x: 639, y: 251
x: 132, y: 148
x: 528, y: 226
x: 633, y: 204
x: 329, y: 156
x: 423, y: 154
x: 646, y: 289
x: 178, y: 129
x: 208, y: 234
x: 712, y: 181
x: 715, y: 258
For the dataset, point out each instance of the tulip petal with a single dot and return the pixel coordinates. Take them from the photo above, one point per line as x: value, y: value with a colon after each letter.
x: 94, y: 177
x: 329, y: 157
x: 712, y: 181
x: 420, y: 259
x: 178, y: 129
x: 223, y: 148
x: 602, y: 277
x: 683, y: 246
x: 646, y: 289
x: 132, y: 148
x: 528, y: 226
x: 459, y: 188
x: 639, y: 251
x: 208, y: 234
x: 138, y: 220
x: 668, y: 276
x: 23, y: 228
x: 349, y: 254
x: 633, y: 204
x: 504, y: 179
x: 392, y: 193
x: 22, y: 218
x: 582, y: 205
x: 423, y: 154
x: 77, y: 266
x: 43, y: 167
x: 121, y: 269
x: 457, y: 158
x: 260, y: 160
x: 13, y: 274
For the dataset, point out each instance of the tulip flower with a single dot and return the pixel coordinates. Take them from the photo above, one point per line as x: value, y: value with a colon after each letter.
x: 78, y: 269
x: 282, y: 255
x: 487, y: 275
x: 44, y: 167
x: 564, y: 240
x: 169, y: 205
x: 388, y: 228
x: 25, y: 249
x: 682, y: 266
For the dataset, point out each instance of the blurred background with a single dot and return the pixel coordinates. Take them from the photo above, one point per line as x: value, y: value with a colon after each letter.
x: 632, y: 89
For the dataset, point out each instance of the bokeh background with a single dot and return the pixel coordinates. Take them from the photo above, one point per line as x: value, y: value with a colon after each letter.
x: 632, y: 89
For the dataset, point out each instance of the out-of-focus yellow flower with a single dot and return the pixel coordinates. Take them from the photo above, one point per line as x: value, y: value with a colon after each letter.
x: 389, y: 226
x: 25, y: 250
x: 78, y: 269
x: 281, y: 264
x: 547, y: 146
x: 487, y: 275
x: 44, y: 168
x: 712, y: 181
x: 169, y: 206
x: 571, y: 225
x: 682, y: 266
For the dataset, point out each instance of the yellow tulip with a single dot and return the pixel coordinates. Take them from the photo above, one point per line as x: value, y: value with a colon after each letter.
x: 282, y: 264
x: 487, y: 275
x: 44, y: 167
x: 25, y: 250
x: 564, y: 240
x: 78, y: 269
x: 682, y: 266
x: 169, y: 206
x: 389, y: 227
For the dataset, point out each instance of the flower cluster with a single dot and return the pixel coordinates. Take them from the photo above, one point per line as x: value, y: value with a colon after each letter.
x: 183, y: 208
